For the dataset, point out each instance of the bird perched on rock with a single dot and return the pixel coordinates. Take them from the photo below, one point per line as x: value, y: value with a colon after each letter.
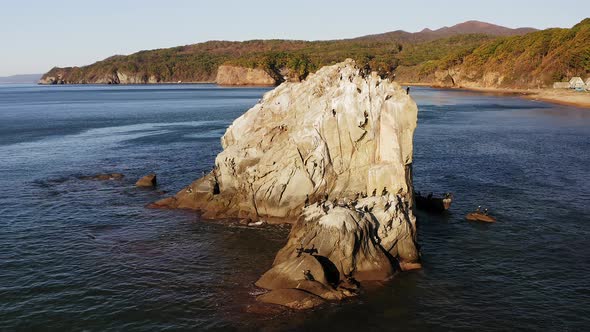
x: 356, y: 197
x: 374, y: 192
x: 308, y: 276
x: 387, y: 205
x: 326, y: 208
x: 335, y: 202
x: 189, y: 190
x: 306, y: 200
x: 299, y: 251
x: 364, y: 195
x: 384, y: 192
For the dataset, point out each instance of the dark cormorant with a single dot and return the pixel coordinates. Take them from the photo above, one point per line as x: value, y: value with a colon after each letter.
x: 387, y: 206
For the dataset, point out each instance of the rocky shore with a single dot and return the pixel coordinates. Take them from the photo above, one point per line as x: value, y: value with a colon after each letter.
x: 333, y: 156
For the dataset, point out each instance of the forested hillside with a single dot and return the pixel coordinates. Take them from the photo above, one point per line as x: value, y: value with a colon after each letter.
x: 498, y: 58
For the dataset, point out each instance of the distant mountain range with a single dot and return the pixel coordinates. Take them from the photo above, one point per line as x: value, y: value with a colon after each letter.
x: 469, y: 27
x: 472, y: 53
x: 14, y: 79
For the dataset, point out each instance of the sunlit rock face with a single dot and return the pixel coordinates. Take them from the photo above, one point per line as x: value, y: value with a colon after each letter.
x: 332, y: 155
x: 340, y: 132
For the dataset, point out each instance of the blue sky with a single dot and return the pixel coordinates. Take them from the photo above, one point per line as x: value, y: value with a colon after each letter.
x: 38, y: 34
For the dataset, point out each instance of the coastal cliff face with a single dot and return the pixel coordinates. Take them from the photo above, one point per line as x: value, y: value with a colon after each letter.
x: 461, y: 77
x: 235, y: 75
x: 226, y: 75
x: 117, y: 77
x: 333, y: 154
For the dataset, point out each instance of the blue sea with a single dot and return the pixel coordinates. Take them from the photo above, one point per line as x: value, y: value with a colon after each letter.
x: 88, y: 255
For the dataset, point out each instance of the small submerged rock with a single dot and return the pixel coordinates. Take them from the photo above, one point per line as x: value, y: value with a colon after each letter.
x: 479, y: 216
x: 148, y: 181
x: 292, y: 298
x: 103, y: 176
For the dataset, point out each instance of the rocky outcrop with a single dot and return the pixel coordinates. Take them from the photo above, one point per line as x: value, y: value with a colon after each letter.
x: 51, y: 80
x: 236, y: 75
x: 333, y: 155
x: 334, y: 246
x: 338, y: 133
x: 148, y: 181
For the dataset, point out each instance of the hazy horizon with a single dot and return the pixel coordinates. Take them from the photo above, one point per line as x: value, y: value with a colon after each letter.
x: 69, y: 33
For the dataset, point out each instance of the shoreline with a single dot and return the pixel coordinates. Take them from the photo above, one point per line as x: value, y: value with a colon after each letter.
x: 162, y: 83
x: 554, y: 96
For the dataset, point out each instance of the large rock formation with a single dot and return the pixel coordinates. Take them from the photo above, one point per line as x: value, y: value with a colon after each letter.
x: 235, y: 75
x: 332, y: 154
x: 338, y: 133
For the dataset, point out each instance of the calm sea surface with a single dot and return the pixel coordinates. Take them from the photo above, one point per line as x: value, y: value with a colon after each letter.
x: 87, y: 255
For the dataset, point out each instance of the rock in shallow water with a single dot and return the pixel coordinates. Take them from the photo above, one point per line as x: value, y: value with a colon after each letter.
x: 292, y: 298
x: 310, y: 153
x: 147, y: 181
x: 103, y: 177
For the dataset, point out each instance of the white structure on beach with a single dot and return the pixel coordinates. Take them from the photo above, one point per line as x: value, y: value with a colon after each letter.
x: 577, y: 82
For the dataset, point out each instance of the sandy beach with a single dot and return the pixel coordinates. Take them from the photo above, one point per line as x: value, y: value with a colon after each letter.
x: 556, y: 96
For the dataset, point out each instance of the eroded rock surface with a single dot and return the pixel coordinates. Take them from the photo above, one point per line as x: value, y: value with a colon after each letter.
x: 333, y: 155
x: 335, y: 245
x: 340, y: 132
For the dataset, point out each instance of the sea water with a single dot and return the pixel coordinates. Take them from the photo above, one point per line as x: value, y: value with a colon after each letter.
x: 88, y: 255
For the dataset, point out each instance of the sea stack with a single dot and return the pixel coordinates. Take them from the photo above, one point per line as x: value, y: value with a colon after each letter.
x: 307, y: 154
